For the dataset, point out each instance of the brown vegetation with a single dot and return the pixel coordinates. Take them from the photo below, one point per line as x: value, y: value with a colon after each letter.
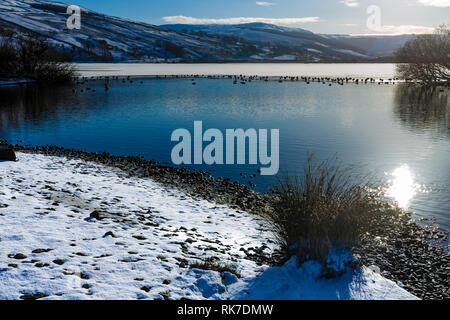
x: 30, y: 56
x: 426, y: 58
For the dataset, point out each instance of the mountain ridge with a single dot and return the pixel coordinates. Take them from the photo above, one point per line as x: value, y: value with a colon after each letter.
x: 115, y: 39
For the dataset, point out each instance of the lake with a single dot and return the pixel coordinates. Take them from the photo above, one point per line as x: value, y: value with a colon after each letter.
x: 392, y: 132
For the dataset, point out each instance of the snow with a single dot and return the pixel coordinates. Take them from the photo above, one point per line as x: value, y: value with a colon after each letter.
x: 314, y: 50
x: 47, y: 202
x: 290, y: 282
x: 353, y: 53
x: 286, y: 57
x: 144, y: 242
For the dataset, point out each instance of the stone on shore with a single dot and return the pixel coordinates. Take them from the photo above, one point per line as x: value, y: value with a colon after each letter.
x: 7, y: 153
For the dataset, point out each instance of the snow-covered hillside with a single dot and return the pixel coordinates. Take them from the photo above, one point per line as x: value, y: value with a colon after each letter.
x: 107, y: 38
x: 71, y: 229
x: 102, y: 35
x: 363, y: 47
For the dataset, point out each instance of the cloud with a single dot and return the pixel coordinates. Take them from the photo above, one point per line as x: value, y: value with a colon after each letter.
x: 239, y: 20
x: 435, y: 3
x: 265, y: 4
x: 351, y: 3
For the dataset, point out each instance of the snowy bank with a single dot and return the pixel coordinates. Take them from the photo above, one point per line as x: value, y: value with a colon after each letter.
x: 144, y: 242
x: 290, y: 282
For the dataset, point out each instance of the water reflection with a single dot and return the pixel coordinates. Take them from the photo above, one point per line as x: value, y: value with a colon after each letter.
x: 423, y: 108
x: 403, y: 187
x: 23, y: 105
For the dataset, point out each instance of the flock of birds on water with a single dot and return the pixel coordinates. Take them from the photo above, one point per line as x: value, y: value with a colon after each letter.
x: 236, y: 79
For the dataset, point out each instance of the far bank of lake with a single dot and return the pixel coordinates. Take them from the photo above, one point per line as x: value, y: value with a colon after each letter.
x: 359, y: 70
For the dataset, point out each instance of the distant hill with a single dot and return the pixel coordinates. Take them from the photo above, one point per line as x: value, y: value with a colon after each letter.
x: 107, y: 38
x: 261, y: 33
x: 376, y: 46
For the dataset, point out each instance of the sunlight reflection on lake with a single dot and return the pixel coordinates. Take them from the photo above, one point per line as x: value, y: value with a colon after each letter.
x: 402, y: 186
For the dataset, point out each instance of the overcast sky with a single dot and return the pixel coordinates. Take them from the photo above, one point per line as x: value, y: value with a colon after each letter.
x: 322, y: 16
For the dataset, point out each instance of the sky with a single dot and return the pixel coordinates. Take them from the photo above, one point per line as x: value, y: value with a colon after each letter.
x: 320, y: 16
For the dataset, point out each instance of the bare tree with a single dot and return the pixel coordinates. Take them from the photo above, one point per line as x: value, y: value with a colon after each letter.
x: 8, y: 54
x: 31, y: 56
x: 426, y: 58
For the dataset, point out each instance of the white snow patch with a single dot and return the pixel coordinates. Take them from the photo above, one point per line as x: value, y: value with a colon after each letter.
x: 285, y: 57
x: 290, y: 282
x: 314, y: 50
x: 45, y: 203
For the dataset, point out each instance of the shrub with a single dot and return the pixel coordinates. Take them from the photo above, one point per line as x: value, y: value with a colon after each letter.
x: 176, y: 50
x: 31, y: 56
x: 426, y: 58
x: 8, y: 54
x: 323, y: 210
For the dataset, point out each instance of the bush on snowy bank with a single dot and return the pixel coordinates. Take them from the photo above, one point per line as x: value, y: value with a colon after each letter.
x: 324, y: 210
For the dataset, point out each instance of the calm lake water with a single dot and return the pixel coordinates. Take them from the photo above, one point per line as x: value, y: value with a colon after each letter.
x: 391, y: 132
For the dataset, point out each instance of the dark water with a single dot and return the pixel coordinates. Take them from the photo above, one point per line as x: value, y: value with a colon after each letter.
x: 398, y: 134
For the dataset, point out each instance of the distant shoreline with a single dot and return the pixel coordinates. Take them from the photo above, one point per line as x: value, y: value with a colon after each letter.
x: 359, y: 70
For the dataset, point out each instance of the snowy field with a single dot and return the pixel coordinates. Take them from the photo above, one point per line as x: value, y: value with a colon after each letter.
x: 144, y: 242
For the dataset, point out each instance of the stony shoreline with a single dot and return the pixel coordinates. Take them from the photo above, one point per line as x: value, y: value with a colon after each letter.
x: 412, y: 255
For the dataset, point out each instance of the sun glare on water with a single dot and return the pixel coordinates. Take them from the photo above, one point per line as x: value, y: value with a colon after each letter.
x: 402, y: 187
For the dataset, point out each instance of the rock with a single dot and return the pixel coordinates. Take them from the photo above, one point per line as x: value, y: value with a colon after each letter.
x: 34, y: 296
x: 41, y: 250
x: 109, y: 234
x: 81, y: 254
x: 59, y: 262
x: 18, y: 256
x: 41, y: 265
x: 82, y: 275
x: 95, y: 214
x: 146, y: 288
x: 165, y: 295
x: 7, y: 153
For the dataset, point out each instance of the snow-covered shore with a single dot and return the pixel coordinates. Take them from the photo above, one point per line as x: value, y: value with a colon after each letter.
x: 144, y: 244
